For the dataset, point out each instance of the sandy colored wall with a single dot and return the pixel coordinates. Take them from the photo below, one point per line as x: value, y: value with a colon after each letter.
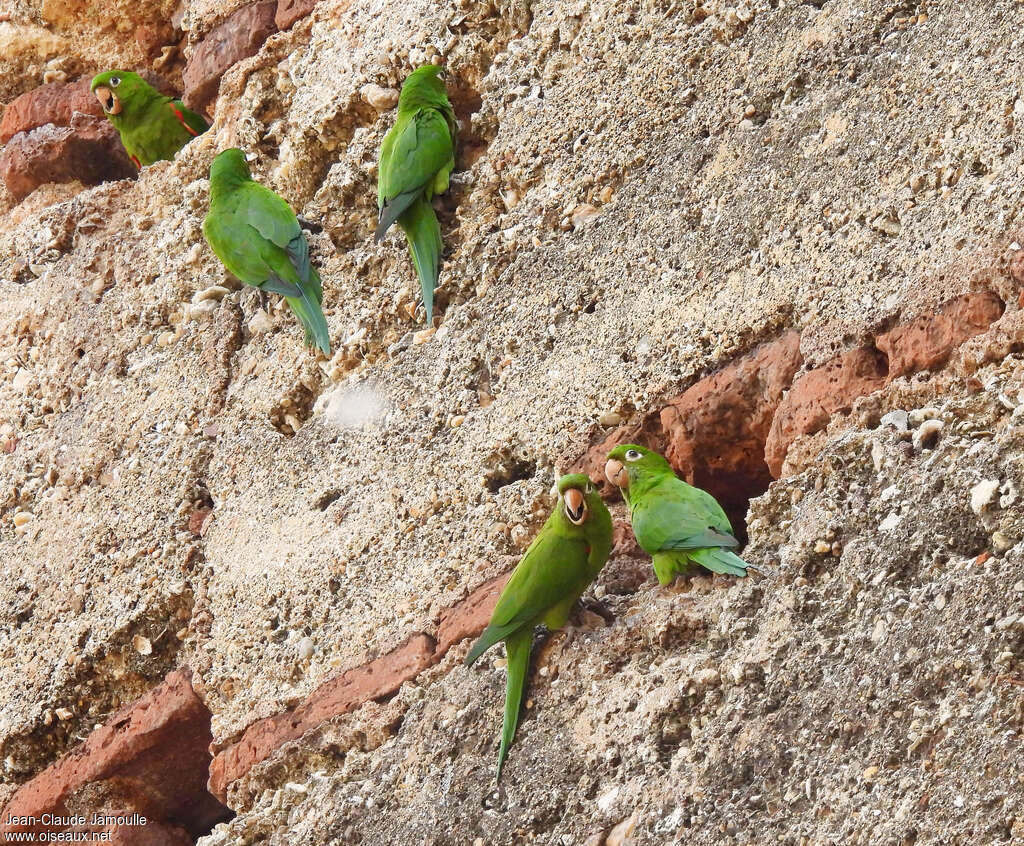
x: 647, y: 193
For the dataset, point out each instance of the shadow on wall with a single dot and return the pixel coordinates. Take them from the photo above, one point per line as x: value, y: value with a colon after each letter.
x: 150, y: 760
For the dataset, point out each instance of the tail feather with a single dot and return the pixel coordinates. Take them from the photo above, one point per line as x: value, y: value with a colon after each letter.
x: 517, y: 652
x: 307, y: 309
x: 424, y: 233
x: 719, y: 560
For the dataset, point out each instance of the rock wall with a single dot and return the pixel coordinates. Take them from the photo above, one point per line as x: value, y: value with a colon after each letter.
x: 778, y: 240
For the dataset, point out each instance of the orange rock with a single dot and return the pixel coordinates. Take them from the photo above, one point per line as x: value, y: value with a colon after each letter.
x: 89, y: 150
x: 820, y: 393
x: 927, y: 341
x: 155, y: 754
x: 237, y: 38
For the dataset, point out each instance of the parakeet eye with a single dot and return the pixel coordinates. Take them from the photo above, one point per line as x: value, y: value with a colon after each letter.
x: 115, y: 81
x: 633, y: 455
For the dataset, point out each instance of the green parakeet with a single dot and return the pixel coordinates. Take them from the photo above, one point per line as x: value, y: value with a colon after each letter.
x: 152, y: 125
x: 564, y: 558
x: 416, y: 160
x: 257, y: 237
x: 675, y: 523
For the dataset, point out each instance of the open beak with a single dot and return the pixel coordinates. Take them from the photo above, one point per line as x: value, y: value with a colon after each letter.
x: 616, y: 473
x: 108, y: 100
x: 575, y: 506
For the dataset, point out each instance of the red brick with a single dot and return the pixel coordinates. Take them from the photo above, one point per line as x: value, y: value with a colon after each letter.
x: 237, y: 38
x: 341, y: 695
x: 469, y: 617
x: 927, y: 342
x: 820, y: 393
x: 88, y: 150
x: 155, y: 752
x: 289, y: 11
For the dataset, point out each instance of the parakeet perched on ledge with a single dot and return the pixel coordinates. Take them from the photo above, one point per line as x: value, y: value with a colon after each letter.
x: 564, y: 558
x: 674, y: 522
x: 257, y: 236
x: 152, y: 125
x: 416, y: 160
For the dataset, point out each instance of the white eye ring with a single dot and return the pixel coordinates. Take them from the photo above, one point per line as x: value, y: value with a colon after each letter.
x: 115, y: 81
x: 633, y: 455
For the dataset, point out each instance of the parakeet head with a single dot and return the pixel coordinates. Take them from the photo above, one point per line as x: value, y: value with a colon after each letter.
x: 229, y: 166
x: 575, y: 490
x: 117, y: 89
x: 627, y: 461
x: 423, y: 87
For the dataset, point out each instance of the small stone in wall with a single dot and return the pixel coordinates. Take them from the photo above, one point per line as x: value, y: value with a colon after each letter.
x: 982, y: 494
x: 382, y: 99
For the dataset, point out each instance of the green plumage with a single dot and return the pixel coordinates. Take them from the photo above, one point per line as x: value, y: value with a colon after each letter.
x: 562, y: 561
x: 416, y: 161
x: 675, y: 523
x: 257, y: 236
x: 152, y: 125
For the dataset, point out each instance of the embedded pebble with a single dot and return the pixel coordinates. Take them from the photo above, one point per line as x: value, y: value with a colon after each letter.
x: 1000, y: 542
x: 982, y: 494
x: 919, y: 415
x: 23, y: 518
x: 260, y: 323
x: 305, y: 647
x: 214, y: 292
x: 380, y: 98
x: 583, y: 214
x: 142, y: 645
x: 897, y: 419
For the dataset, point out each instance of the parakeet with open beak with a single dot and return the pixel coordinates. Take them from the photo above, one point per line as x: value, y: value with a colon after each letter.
x: 674, y: 522
x: 152, y: 125
x: 564, y: 558
x: 257, y: 236
x: 416, y: 161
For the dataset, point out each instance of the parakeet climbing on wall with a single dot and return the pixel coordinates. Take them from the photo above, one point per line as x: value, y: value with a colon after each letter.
x: 564, y: 558
x: 416, y: 160
x: 675, y: 523
x: 152, y: 125
x: 257, y: 237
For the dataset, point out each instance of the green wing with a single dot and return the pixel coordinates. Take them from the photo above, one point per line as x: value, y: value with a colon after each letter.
x: 675, y: 515
x: 553, y: 568
x: 415, y: 151
x: 193, y: 123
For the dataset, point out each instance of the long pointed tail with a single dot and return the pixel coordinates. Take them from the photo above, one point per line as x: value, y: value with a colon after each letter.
x: 424, y: 233
x: 517, y: 652
x: 311, y: 315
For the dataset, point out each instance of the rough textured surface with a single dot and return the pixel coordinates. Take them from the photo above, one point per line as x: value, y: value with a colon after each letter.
x: 289, y: 11
x: 646, y: 193
x: 88, y: 150
x: 150, y: 758
x: 239, y: 37
x: 55, y: 103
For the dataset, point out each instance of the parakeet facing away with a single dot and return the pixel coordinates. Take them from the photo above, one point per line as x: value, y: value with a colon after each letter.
x: 416, y: 159
x: 675, y: 523
x: 152, y: 125
x: 257, y: 237
x: 565, y: 557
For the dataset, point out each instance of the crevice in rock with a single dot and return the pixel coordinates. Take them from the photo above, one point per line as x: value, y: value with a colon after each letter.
x: 150, y: 759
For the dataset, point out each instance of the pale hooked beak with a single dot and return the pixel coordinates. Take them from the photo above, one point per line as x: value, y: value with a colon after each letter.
x: 616, y: 473
x: 110, y: 102
x: 575, y: 506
